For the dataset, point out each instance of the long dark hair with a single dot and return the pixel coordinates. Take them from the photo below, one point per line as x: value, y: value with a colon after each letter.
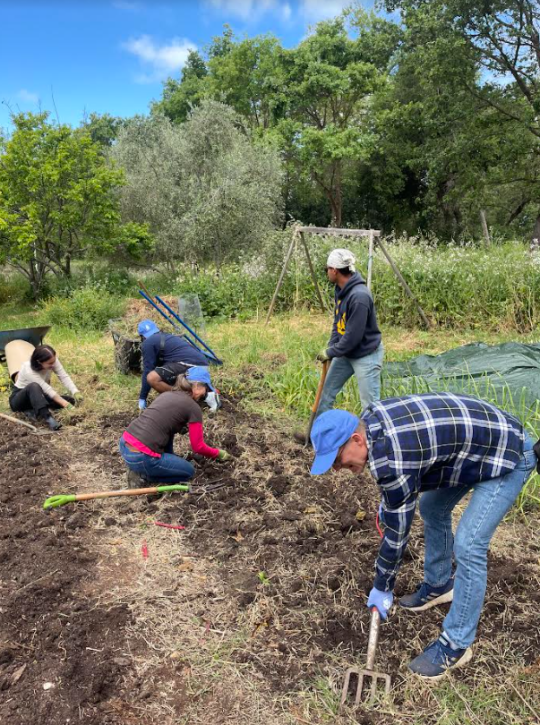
x: 40, y: 355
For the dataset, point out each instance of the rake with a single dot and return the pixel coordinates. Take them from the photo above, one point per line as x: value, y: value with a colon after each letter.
x: 62, y: 499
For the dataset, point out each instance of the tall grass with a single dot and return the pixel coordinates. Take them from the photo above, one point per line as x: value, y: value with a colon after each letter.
x: 466, y: 286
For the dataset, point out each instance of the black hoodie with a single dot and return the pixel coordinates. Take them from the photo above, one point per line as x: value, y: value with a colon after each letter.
x: 355, y: 332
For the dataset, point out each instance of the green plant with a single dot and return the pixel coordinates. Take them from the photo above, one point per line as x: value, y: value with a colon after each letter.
x: 85, y: 309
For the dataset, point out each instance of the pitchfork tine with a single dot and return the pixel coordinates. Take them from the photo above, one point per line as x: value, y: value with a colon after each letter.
x: 368, y: 671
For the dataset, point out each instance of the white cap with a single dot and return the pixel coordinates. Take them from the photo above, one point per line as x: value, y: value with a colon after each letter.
x: 341, y: 258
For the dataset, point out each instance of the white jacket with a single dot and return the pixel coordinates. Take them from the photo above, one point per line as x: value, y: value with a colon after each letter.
x: 43, y: 377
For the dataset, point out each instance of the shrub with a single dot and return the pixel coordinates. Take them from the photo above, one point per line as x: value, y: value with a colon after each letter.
x: 14, y: 289
x: 85, y: 309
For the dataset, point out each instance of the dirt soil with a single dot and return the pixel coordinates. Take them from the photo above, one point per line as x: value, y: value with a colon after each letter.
x: 250, y: 614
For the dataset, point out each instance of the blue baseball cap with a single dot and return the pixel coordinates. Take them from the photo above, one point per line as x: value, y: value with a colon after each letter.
x: 147, y: 328
x: 199, y: 374
x: 330, y: 431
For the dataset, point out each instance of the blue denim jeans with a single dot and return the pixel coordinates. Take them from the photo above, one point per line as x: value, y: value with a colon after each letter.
x: 490, y: 502
x: 167, y: 469
x: 368, y: 376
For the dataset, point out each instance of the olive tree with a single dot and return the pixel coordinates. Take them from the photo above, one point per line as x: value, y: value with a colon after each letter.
x: 207, y: 189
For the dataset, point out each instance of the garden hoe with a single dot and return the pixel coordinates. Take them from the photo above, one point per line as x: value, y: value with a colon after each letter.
x: 62, y: 499
x: 367, y: 676
x: 32, y: 428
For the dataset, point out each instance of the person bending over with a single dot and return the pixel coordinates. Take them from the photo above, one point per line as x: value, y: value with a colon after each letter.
x: 432, y: 450
x: 147, y: 444
x: 165, y: 357
x: 33, y: 394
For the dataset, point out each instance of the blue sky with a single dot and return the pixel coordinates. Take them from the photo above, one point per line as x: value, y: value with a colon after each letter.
x: 110, y: 56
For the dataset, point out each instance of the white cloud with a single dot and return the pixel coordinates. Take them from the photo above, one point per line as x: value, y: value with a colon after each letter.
x: 315, y: 10
x: 250, y: 9
x: 286, y: 11
x: 160, y: 60
x: 27, y: 96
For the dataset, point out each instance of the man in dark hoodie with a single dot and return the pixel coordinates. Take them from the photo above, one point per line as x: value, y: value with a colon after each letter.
x: 355, y: 346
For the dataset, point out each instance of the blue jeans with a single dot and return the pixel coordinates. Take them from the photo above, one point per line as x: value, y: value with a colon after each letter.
x: 368, y: 376
x: 167, y: 469
x: 490, y: 502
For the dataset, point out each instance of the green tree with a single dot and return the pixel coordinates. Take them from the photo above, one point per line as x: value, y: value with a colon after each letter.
x: 57, y: 198
x: 331, y: 80
x: 102, y: 128
x: 181, y: 96
x: 205, y: 188
x: 503, y: 36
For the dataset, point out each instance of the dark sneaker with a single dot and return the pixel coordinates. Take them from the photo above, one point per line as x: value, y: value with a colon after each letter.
x: 439, y: 657
x: 30, y: 415
x: 426, y: 596
x: 53, y: 423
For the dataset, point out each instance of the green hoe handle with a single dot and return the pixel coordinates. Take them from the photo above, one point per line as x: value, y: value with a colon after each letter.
x: 61, y: 500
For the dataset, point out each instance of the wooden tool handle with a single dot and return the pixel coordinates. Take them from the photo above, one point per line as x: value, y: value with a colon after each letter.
x: 108, y: 494
x: 373, y: 637
x: 19, y: 422
x: 320, y: 387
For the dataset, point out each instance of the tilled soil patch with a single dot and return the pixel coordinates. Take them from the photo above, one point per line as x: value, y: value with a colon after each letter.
x: 295, y: 556
x: 253, y: 609
x: 60, y: 654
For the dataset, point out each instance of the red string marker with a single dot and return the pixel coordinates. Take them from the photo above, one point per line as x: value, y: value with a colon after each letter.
x: 378, y: 526
x: 144, y: 549
x: 169, y: 526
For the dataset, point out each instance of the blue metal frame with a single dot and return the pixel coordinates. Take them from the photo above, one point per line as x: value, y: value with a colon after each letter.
x: 212, y: 357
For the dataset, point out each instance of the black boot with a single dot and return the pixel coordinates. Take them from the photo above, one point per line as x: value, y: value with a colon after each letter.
x: 30, y: 414
x: 53, y: 423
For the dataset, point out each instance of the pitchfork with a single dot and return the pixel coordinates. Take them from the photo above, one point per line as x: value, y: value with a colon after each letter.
x: 368, y: 672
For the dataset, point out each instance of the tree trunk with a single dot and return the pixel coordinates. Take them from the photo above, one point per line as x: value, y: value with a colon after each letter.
x: 535, y: 240
x: 485, y: 229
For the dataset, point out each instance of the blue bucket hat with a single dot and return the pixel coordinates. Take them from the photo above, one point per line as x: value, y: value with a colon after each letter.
x: 147, y: 328
x: 199, y: 374
x: 330, y: 431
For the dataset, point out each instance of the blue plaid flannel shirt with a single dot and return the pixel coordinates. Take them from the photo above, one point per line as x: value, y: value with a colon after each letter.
x: 436, y: 440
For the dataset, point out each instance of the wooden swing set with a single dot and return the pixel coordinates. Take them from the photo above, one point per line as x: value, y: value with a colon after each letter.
x: 374, y: 238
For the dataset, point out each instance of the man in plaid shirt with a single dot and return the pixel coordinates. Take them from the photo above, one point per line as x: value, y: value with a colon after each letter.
x: 433, y: 449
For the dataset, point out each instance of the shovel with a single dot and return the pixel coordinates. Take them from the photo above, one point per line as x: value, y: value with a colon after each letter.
x: 315, y: 406
x: 368, y: 676
x: 63, y: 499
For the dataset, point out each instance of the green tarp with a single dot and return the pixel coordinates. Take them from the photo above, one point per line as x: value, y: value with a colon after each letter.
x: 507, y: 374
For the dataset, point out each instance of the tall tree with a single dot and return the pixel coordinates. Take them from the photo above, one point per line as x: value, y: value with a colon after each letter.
x: 57, y: 198
x: 206, y: 189
x: 504, y: 36
x: 331, y: 79
x: 180, y: 97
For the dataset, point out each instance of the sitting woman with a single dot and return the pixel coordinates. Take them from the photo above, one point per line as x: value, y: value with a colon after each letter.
x: 147, y: 443
x: 32, y: 394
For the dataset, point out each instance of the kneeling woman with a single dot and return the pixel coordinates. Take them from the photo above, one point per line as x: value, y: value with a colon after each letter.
x: 32, y: 394
x: 147, y: 443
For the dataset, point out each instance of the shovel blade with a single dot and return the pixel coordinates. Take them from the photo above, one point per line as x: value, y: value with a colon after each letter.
x: 368, y: 682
